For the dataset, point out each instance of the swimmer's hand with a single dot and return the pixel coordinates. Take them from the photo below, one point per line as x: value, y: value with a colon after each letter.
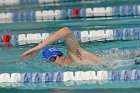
x: 29, y: 54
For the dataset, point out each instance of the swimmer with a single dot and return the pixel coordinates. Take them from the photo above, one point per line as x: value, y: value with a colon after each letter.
x: 55, y: 56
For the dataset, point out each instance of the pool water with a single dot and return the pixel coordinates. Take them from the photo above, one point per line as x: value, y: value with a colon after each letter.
x: 119, y: 53
x: 104, y: 49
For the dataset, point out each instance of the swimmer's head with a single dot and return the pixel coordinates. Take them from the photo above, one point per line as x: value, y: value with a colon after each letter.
x: 50, y: 54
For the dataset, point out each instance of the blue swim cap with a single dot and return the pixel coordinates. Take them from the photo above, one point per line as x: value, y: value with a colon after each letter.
x: 49, y: 52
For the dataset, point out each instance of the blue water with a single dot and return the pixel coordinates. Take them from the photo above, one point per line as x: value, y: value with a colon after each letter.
x: 120, y: 49
x: 107, y: 49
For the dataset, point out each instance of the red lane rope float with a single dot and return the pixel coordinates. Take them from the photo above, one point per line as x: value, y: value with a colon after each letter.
x: 76, y: 12
x: 6, y: 40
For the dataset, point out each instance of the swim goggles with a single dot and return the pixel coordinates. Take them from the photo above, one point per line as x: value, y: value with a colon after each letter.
x: 52, y: 59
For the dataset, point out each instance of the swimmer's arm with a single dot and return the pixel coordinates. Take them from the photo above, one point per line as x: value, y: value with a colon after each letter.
x: 65, y: 34
x: 71, y: 43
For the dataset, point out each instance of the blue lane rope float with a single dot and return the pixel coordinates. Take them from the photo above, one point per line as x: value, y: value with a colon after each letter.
x: 25, y: 2
x: 1, y: 41
x: 64, y: 14
x: 70, y: 14
x: 45, y: 77
x: 82, y: 12
x: 15, y: 17
x: 82, y: 36
x: 13, y: 40
x: 22, y: 16
x: 32, y: 16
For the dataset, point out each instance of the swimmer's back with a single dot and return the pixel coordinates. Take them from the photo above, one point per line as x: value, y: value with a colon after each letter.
x: 82, y: 56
